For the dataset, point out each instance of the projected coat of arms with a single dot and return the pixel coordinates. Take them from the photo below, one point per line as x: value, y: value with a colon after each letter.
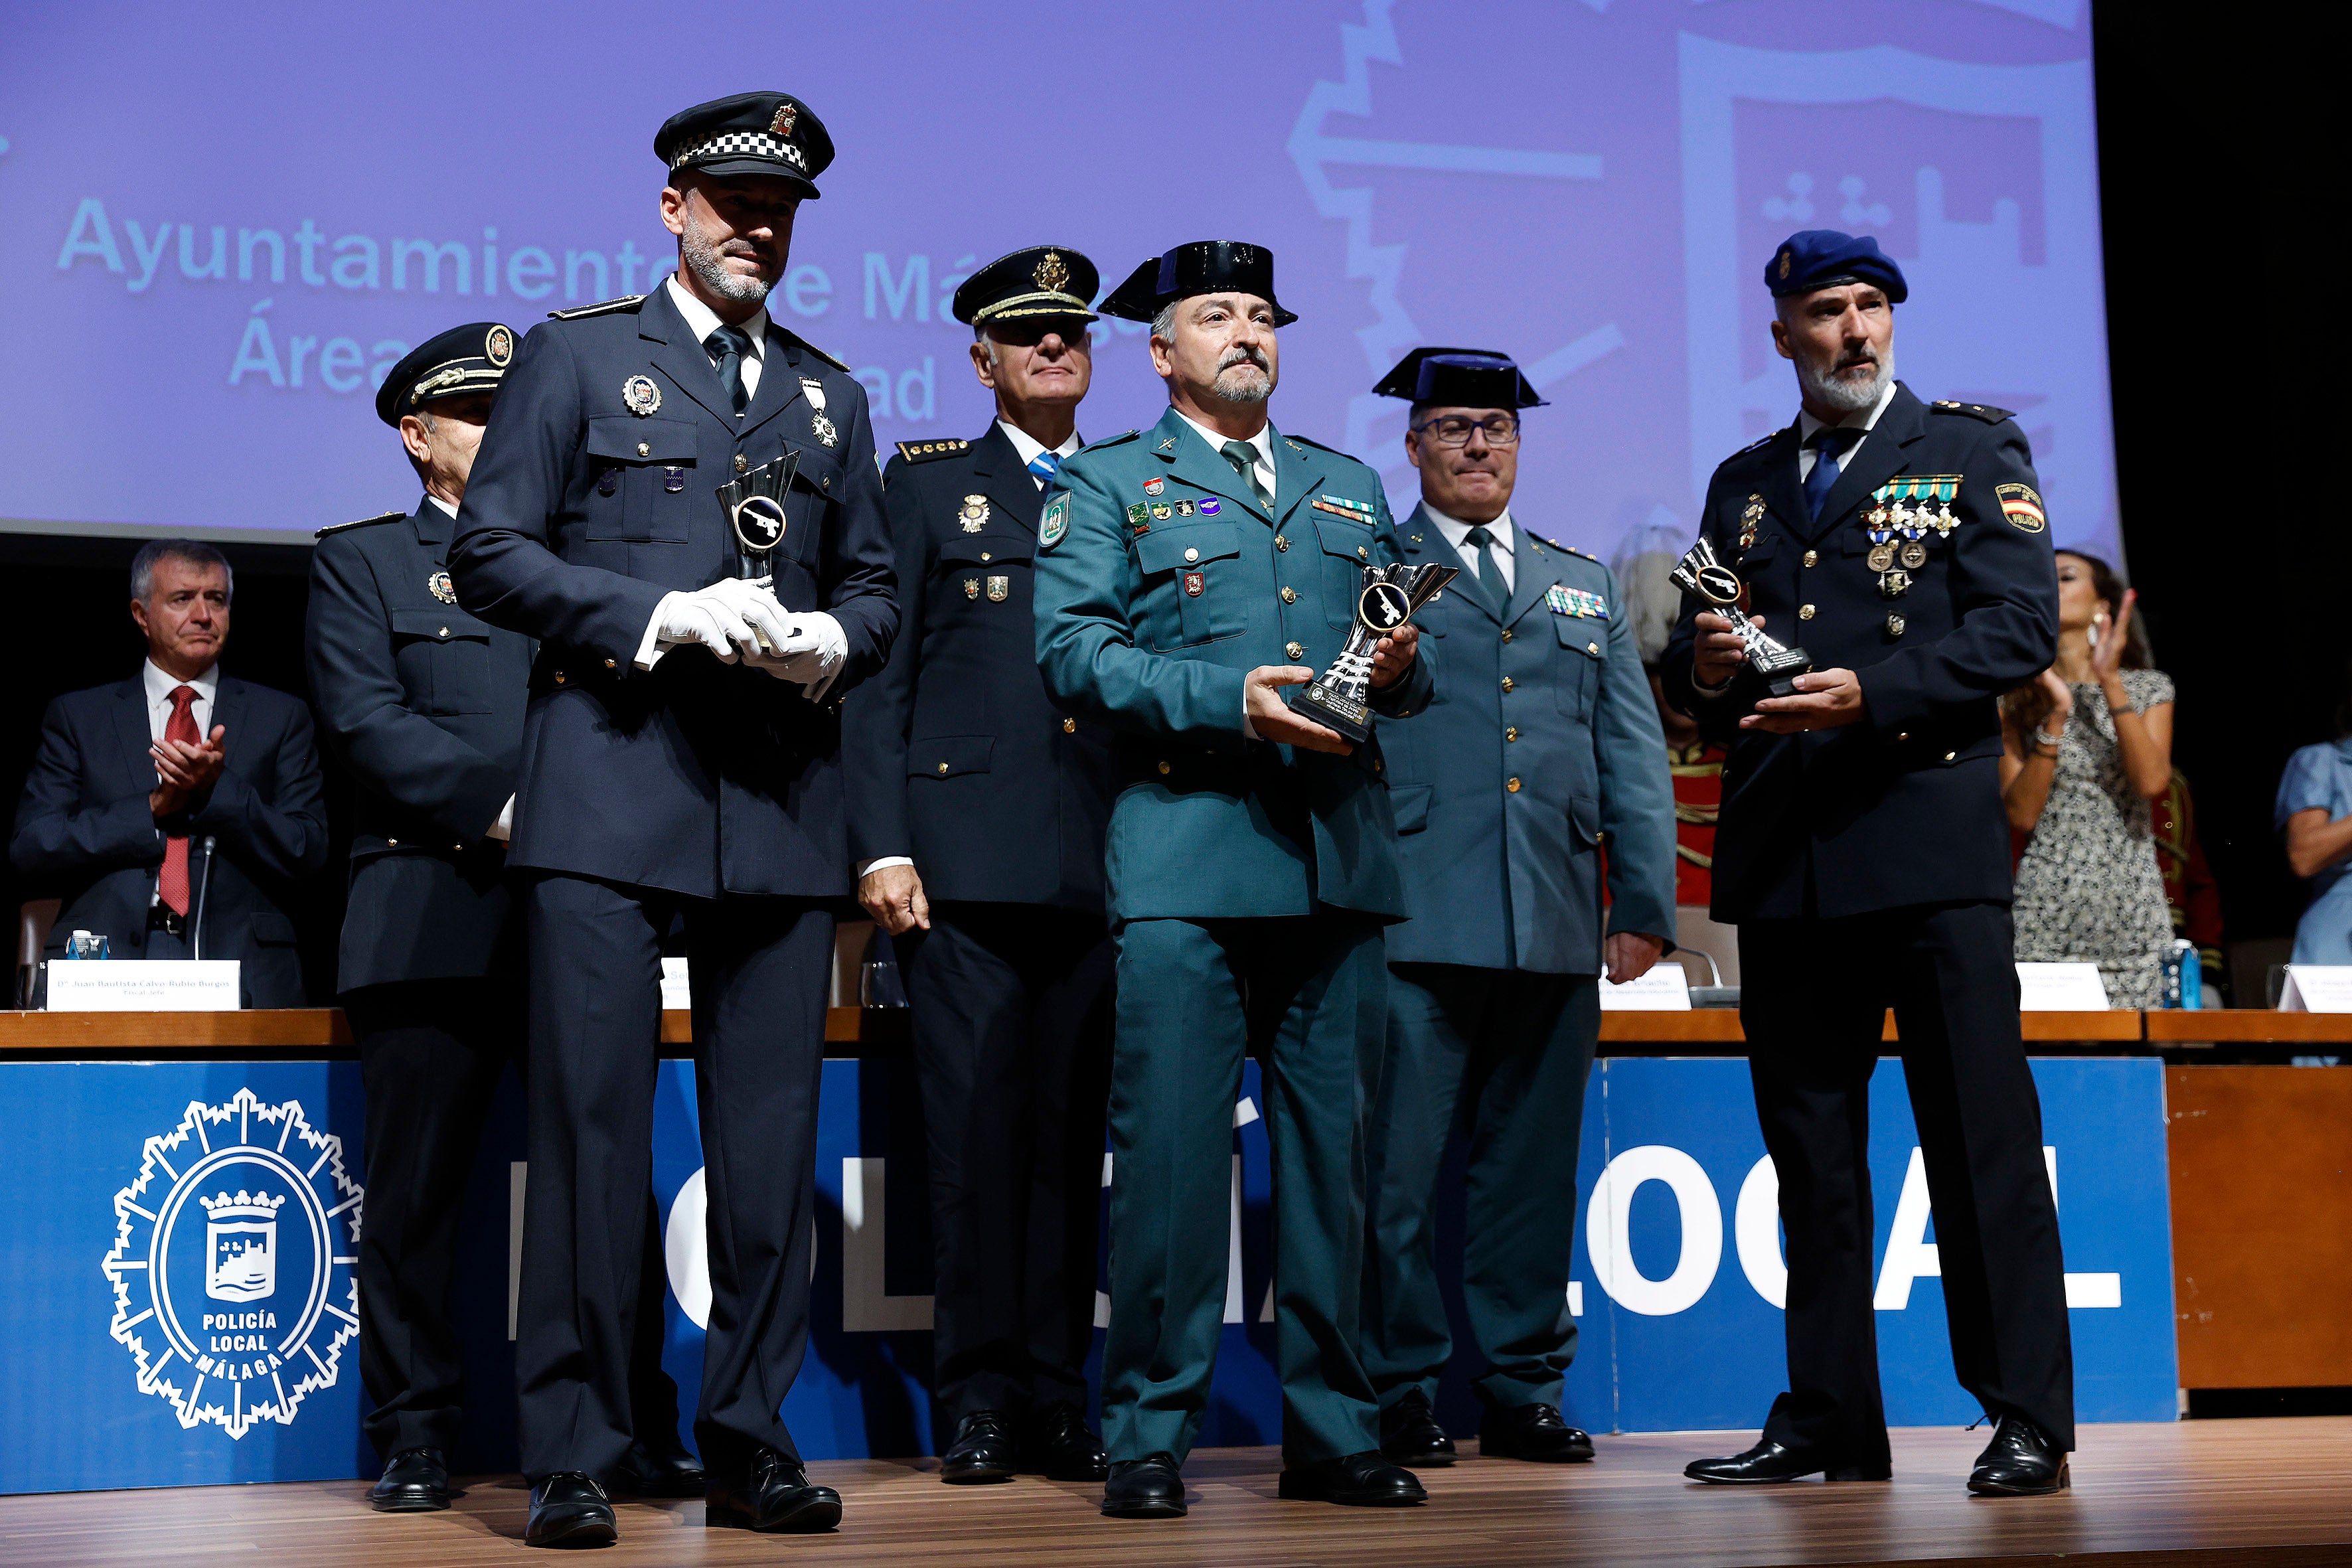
x: 232, y: 1265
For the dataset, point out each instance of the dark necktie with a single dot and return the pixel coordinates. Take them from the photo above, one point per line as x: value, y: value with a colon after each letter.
x: 1244, y: 457
x: 172, y: 882
x: 1829, y: 444
x: 728, y: 346
x: 1490, y: 574
x: 1046, y: 465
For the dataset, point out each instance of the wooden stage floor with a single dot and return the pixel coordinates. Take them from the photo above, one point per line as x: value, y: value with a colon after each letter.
x: 2210, y: 1494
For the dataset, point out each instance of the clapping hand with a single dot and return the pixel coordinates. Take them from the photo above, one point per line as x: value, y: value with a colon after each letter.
x: 185, y: 772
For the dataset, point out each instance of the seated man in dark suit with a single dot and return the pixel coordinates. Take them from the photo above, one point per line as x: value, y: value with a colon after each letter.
x: 174, y: 812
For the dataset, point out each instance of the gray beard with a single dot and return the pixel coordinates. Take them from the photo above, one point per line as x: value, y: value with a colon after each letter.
x: 702, y: 258
x: 1236, y: 383
x: 1847, y: 397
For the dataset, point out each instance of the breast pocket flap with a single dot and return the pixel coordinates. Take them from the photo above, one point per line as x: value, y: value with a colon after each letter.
x: 633, y: 440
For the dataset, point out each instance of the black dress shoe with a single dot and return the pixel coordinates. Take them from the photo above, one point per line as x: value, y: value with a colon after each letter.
x: 414, y: 1482
x: 983, y: 1450
x: 1409, y: 1433
x: 1147, y: 1488
x: 569, y: 1509
x: 1062, y: 1447
x: 1769, y: 1461
x: 1358, y: 1480
x: 2019, y: 1462
x: 660, y: 1469
x: 772, y: 1493
x: 1534, y: 1432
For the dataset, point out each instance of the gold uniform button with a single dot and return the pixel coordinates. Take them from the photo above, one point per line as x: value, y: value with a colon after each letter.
x: 1294, y: 649
x: 1361, y: 554
x: 1949, y: 755
x: 392, y: 843
x: 1069, y: 726
x: 644, y: 449
x: 1163, y: 767
x: 943, y: 767
x: 1380, y: 767
x: 741, y: 462
x: 610, y: 664
x: 1593, y: 648
x: 1280, y: 543
x: 984, y: 555
x: 1804, y: 612
x: 1812, y: 557
x: 1903, y: 735
x: 1191, y: 555
x: 1512, y: 784
x: 444, y: 631
x: 559, y: 678
x: 1512, y: 733
x: 1290, y: 595
x: 1507, y: 683
x: 826, y: 483
x: 1506, y: 634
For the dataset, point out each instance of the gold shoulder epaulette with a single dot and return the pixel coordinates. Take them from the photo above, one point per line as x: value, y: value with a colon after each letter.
x: 931, y: 451
x: 1563, y: 549
x: 362, y: 522
x: 1984, y: 411
x: 601, y: 308
x: 818, y: 351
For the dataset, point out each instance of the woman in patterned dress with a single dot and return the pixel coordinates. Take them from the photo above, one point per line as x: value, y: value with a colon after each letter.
x: 2084, y: 748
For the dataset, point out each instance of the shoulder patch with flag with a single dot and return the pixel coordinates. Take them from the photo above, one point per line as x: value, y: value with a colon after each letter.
x: 1056, y: 522
x: 2022, y: 506
x: 1577, y: 601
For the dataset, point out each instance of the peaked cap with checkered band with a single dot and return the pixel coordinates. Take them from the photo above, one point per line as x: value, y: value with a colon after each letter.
x: 771, y: 133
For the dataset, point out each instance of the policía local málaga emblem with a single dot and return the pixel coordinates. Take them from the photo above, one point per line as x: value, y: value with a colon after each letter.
x: 233, y: 1263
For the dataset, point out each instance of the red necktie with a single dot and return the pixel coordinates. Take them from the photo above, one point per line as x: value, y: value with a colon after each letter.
x: 172, y: 885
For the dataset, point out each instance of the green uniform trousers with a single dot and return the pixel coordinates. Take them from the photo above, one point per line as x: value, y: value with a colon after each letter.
x: 1511, y: 1050
x: 1310, y: 993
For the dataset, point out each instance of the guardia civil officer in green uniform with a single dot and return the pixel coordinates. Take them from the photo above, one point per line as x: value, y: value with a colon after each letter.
x: 1546, y: 748
x: 1863, y: 854
x: 1185, y: 574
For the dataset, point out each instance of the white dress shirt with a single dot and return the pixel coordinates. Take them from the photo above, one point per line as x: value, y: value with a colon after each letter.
x: 1262, y: 444
x: 1862, y: 417
x: 446, y: 510
x: 1028, y: 445
x: 702, y: 320
x: 1457, y: 532
x: 161, y: 684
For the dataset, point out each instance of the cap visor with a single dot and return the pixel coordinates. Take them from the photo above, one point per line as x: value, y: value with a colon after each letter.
x: 735, y: 168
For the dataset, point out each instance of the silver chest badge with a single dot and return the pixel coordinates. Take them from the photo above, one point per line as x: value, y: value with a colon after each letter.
x: 818, y: 423
x: 641, y: 396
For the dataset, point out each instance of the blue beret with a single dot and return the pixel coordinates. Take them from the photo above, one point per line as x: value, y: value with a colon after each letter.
x: 1823, y: 259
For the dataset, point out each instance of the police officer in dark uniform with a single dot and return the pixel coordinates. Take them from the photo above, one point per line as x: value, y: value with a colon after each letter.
x: 1546, y: 748
x: 681, y: 758
x: 1863, y: 854
x: 423, y: 705
x: 977, y: 810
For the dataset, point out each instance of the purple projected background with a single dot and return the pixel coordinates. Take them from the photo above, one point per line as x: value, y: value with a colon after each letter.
x: 210, y: 217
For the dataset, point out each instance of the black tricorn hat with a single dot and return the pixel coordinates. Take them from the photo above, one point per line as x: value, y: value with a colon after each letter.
x: 460, y: 362
x: 771, y: 133
x: 1203, y: 267
x: 1460, y: 378
x: 1041, y: 280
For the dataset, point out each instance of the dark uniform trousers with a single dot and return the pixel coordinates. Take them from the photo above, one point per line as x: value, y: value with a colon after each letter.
x: 1507, y: 1051
x: 1012, y: 1020
x: 1814, y: 992
x: 761, y: 966
x: 1309, y: 995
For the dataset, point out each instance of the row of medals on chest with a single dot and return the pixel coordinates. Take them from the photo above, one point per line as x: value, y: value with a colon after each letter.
x: 1890, y: 517
x: 973, y: 516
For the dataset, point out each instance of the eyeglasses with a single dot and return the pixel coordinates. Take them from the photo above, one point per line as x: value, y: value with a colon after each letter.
x: 1454, y: 430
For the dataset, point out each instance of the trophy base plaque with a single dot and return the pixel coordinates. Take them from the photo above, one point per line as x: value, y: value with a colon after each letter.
x: 1334, y: 711
x: 1341, y: 699
x: 1754, y: 684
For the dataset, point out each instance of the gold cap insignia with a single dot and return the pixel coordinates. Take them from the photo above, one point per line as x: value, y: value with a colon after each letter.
x: 1784, y: 264
x: 499, y: 347
x: 787, y: 114
x: 1051, y: 273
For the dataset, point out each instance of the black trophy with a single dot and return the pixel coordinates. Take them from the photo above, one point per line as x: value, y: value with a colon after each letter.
x: 1772, y: 667
x: 754, y: 504
x: 1340, y: 698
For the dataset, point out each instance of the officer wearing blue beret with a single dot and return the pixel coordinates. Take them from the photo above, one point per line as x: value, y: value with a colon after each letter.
x: 1185, y: 574
x: 699, y: 620
x: 976, y: 814
x: 1863, y: 854
x: 423, y: 706
x: 1547, y: 747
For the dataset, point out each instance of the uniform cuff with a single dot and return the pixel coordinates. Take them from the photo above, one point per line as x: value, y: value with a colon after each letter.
x: 881, y: 863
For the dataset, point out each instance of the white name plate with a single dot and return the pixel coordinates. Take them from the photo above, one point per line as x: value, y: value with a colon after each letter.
x: 2061, y: 988
x: 1664, y: 989
x: 143, y: 986
x: 2317, y: 988
x: 678, y: 994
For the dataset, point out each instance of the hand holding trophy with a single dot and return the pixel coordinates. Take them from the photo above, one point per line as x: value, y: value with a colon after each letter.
x: 1341, y: 699
x: 1772, y: 667
x: 754, y: 504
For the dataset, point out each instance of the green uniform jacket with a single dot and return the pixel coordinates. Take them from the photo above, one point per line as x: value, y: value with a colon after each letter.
x: 1152, y: 606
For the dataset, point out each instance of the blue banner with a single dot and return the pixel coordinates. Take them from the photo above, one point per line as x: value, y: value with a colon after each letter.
x: 181, y: 1299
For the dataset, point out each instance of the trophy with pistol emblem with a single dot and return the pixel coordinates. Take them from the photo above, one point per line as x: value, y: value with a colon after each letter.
x: 1772, y: 667
x: 1340, y: 698
x: 754, y: 504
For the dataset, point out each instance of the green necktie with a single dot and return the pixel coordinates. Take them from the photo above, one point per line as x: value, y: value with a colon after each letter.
x: 1244, y: 457
x: 1490, y: 575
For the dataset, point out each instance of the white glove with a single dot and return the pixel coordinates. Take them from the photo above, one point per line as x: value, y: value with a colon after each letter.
x: 503, y: 828
x: 811, y: 652
x: 729, y: 618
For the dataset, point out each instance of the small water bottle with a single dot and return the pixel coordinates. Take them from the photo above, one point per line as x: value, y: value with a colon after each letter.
x: 86, y: 944
x: 2181, y: 981
x: 2192, y: 975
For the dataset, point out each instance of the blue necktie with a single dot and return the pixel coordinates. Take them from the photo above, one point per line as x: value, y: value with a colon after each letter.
x: 1046, y: 465
x: 729, y: 344
x: 1829, y: 444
